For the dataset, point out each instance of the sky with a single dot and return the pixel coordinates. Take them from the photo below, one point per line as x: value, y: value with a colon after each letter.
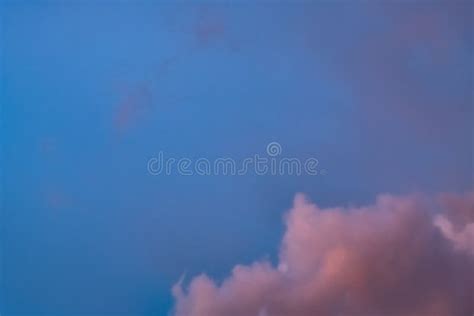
x: 379, y: 92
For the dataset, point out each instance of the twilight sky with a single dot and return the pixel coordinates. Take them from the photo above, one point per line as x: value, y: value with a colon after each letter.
x: 380, y: 92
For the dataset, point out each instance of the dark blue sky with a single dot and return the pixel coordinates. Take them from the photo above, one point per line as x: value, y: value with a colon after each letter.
x: 381, y: 95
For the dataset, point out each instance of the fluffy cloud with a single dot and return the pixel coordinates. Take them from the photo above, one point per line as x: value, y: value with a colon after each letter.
x: 401, y: 256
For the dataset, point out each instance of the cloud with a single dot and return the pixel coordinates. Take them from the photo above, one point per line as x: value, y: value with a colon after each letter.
x: 210, y: 27
x: 401, y: 256
x: 132, y: 107
x: 414, y: 62
x: 458, y: 223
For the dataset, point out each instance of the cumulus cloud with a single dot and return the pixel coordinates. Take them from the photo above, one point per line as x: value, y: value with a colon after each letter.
x: 458, y: 223
x: 401, y: 256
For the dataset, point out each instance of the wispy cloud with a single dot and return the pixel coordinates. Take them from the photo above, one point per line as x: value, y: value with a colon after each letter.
x: 135, y: 103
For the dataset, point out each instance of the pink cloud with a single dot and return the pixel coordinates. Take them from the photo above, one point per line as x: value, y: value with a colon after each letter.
x: 405, y: 65
x: 390, y: 258
x: 210, y: 27
x: 457, y: 224
x: 132, y: 107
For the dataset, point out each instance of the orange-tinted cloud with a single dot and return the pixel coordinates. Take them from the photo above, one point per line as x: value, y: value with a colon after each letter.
x: 390, y: 258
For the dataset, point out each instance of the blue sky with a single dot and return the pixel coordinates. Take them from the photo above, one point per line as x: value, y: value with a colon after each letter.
x: 380, y: 94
